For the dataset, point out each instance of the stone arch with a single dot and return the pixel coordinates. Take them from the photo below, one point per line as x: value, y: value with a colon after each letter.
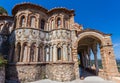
x: 32, y: 21
x: 92, y: 34
x: 58, y: 21
x: 59, y: 51
x: 51, y: 22
x: 101, y: 38
x: 22, y: 20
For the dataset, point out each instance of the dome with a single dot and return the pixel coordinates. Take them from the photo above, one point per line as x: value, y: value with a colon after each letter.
x: 3, y: 11
x: 23, y: 6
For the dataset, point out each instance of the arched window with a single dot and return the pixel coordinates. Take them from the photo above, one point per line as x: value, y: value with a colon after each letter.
x: 52, y: 24
x: 32, y: 53
x: 25, y: 52
x: 18, y: 51
x: 58, y: 22
x: 42, y: 24
x: 32, y: 22
x: 22, y: 21
x: 59, y: 54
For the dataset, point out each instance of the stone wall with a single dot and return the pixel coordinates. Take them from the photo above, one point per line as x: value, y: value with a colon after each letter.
x: 25, y: 72
x: 2, y: 74
x: 60, y: 71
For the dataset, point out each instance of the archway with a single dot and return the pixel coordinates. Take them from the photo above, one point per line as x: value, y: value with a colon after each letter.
x: 89, y: 40
x: 88, y: 48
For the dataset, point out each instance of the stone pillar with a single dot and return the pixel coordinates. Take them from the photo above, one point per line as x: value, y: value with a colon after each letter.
x: 108, y: 61
x: 94, y: 49
x: 70, y: 55
x: 64, y: 53
x: 51, y: 53
x: 75, y: 59
x: 37, y: 49
x: 28, y: 53
x: 43, y: 53
x: 89, y: 59
x: 85, y: 58
x: 54, y: 53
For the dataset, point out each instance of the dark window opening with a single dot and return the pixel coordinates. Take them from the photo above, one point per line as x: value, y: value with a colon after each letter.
x: 59, y: 54
x: 42, y: 24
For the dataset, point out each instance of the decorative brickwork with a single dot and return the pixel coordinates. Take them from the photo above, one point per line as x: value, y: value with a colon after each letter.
x: 43, y: 43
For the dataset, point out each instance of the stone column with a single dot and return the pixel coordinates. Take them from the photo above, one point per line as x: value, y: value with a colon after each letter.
x: 85, y: 58
x: 54, y: 53
x: 37, y: 49
x: 75, y: 59
x: 28, y: 53
x: 43, y: 53
x: 89, y: 59
x: 64, y: 53
x: 94, y: 49
x: 51, y: 53
x: 70, y: 55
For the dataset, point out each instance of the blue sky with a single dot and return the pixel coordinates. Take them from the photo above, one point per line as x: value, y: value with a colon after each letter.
x: 103, y: 15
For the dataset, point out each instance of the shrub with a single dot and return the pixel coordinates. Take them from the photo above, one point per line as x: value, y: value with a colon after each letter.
x: 2, y: 60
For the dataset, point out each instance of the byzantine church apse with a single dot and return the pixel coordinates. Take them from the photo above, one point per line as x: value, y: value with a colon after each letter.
x: 38, y: 43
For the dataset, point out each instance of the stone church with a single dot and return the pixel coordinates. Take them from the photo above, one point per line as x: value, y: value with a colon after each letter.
x: 40, y: 43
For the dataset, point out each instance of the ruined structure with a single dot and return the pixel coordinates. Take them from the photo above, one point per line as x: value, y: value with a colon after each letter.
x: 41, y: 43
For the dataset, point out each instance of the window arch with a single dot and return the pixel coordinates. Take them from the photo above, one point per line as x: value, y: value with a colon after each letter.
x: 32, y: 22
x: 52, y: 24
x: 22, y: 22
x: 42, y: 24
x: 58, y: 22
x: 59, y: 53
x: 18, y: 51
x: 32, y: 52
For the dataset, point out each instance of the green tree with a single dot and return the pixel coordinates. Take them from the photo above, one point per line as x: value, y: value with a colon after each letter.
x: 2, y: 10
x: 2, y: 60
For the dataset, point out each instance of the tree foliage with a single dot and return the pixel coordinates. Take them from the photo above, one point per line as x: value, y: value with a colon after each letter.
x: 2, y: 60
x: 2, y: 10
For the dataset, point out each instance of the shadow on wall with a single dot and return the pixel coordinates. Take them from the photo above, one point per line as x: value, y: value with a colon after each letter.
x: 11, y: 74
